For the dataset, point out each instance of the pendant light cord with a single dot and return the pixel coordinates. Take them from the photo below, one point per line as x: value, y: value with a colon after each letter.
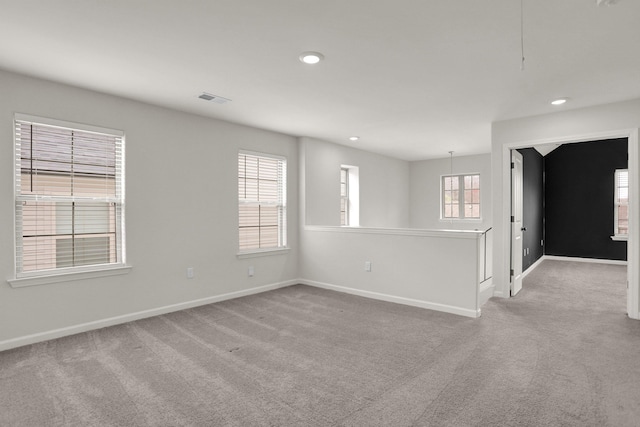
x: 522, y: 34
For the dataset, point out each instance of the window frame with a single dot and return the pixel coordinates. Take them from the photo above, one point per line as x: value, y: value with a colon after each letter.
x: 60, y: 274
x: 281, y: 205
x: 461, y: 199
x: 344, y: 198
x: 617, y: 204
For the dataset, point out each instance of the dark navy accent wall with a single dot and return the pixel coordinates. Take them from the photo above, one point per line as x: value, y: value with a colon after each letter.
x: 578, y: 191
x: 532, y: 206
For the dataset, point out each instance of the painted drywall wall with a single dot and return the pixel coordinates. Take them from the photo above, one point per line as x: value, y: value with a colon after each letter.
x: 384, y: 185
x: 407, y: 265
x: 181, y: 209
x: 532, y: 206
x: 424, y: 189
x: 579, y: 197
x: 611, y: 120
x: 436, y: 270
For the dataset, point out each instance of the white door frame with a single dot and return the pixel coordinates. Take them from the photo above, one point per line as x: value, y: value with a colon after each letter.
x: 516, y: 226
x: 633, y: 243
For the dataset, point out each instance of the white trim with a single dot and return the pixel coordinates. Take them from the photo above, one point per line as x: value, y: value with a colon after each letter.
x: 578, y: 259
x: 262, y: 154
x: 111, y: 321
x: 633, y: 242
x: 398, y: 300
x: 460, y: 234
x: 57, y: 277
x: 263, y: 252
x: 533, y: 266
x: 620, y: 238
x: 67, y: 124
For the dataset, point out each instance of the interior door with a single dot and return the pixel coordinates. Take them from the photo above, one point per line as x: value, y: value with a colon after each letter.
x: 516, y: 222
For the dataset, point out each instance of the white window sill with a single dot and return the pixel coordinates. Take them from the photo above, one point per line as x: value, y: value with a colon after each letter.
x: 263, y: 252
x: 461, y: 220
x: 68, y: 276
x: 620, y: 238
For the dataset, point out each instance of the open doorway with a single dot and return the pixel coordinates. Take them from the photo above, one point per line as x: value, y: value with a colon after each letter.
x: 575, y: 215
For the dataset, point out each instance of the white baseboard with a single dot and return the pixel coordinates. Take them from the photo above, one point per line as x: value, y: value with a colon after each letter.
x: 533, y: 266
x: 578, y: 259
x: 486, y: 291
x: 97, y: 324
x: 398, y: 300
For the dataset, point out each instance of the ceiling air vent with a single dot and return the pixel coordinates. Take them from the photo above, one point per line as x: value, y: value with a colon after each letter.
x: 214, y: 98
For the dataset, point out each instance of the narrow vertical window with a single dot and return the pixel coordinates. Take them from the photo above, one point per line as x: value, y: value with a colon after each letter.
x: 344, y: 196
x: 621, y: 203
x: 261, y: 202
x: 69, y: 197
x: 460, y: 196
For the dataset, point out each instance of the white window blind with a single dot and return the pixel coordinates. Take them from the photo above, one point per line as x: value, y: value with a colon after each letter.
x: 621, y: 202
x: 460, y: 196
x: 262, y: 201
x: 69, y: 197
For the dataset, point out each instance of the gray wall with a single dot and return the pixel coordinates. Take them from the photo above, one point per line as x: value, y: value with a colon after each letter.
x: 384, y: 185
x: 425, y: 191
x: 579, y: 197
x: 181, y: 209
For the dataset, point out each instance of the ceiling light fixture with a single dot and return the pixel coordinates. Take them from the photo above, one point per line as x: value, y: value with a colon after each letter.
x: 559, y: 101
x: 606, y: 2
x: 354, y: 138
x: 311, y: 57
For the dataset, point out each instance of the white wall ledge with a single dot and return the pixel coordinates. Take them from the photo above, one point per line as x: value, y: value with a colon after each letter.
x: 68, y: 276
x: 456, y: 234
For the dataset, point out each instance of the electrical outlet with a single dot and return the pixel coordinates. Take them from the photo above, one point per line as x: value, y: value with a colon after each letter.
x: 251, y: 271
x: 367, y: 266
x: 189, y: 272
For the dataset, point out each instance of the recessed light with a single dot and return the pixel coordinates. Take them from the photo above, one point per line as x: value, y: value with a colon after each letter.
x: 559, y: 101
x: 606, y: 2
x: 354, y: 138
x: 311, y: 57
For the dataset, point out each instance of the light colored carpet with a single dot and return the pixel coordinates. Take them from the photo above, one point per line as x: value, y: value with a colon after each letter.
x: 561, y: 353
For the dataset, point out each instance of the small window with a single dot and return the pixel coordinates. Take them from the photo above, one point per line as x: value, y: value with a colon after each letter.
x: 460, y: 196
x: 262, y: 201
x: 621, y: 203
x: 349, y: 196
x: 344, y: 196
x: 69, y: 197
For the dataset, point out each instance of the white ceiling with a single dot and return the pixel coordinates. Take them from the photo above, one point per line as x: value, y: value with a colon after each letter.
x: 413, y: 78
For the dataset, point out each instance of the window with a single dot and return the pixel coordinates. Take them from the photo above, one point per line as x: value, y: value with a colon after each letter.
x: 344, y: 196
x: 621, y: 203
x: 349, y: 196
x: 460, y: 197
x: 262, y: 202
x: 69, y: 197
